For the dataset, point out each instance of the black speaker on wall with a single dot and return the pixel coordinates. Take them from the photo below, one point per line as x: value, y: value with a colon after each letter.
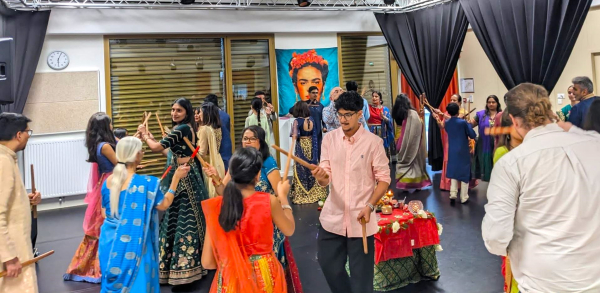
x: 7, y: 88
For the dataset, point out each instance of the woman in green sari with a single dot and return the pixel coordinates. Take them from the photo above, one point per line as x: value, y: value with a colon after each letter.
x: 564, y: 113
x: 182, y: 229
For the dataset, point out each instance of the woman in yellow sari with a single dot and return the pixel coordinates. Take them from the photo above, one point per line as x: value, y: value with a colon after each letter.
x: 209, y: 140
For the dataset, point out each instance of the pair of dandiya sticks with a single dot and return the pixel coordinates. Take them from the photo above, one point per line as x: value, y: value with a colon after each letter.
x: 34, y: 210
x: 311, y: 167
x: 215, y: 178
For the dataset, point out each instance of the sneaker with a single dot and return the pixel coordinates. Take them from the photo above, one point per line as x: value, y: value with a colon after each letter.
x: 464, y: 199
x: 452, y: 195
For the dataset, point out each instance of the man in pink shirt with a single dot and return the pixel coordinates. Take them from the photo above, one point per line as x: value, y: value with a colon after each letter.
x: 354, y: 165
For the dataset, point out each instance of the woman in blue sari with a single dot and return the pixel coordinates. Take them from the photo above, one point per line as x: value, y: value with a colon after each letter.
x: 128, y: 243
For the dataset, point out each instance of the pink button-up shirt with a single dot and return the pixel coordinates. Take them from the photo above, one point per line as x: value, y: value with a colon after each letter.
x: 354, y: 166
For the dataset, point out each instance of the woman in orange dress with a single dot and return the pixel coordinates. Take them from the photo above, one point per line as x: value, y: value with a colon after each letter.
x: 239, y: 230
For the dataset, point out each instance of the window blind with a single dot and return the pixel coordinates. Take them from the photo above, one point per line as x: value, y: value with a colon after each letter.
x: 366, y: 60
x: 250, y: 67
x: 149, y: 74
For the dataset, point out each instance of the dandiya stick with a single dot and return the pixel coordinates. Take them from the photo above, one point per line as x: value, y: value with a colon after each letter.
x: 31, y: 261
x: 364, y: 235
x: 166, y: 172
x: 33, y: 190
x: 498, y: 130
x: 289, y: 160
x: 146, y: 120
x: 204, y: 163
x: 162, y: 130
x: 148, y: 162
x: 296, y: 159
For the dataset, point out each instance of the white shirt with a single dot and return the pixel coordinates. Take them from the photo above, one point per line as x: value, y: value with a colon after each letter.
x: 544, y: 209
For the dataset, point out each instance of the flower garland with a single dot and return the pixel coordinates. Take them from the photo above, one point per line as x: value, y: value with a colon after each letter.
x: 310, y: 56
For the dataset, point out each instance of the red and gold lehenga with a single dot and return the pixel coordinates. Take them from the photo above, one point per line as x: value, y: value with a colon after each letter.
x: 245, y: 259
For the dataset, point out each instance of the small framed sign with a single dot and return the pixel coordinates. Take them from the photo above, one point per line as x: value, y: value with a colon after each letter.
x: 467, y: 85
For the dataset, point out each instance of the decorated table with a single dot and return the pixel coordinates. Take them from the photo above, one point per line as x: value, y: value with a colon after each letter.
x: 405, y: 249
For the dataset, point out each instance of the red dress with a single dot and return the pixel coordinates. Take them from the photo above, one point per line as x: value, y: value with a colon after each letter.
x: 245, y: 258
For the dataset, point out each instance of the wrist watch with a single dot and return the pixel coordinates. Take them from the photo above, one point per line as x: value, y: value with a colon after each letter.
x: 371, y: 206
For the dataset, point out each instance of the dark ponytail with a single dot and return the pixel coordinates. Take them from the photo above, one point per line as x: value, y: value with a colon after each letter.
x: 244, y: 165
x: 257, y: 106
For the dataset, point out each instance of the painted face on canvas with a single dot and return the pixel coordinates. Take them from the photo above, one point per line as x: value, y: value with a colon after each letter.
x: 309, y: 76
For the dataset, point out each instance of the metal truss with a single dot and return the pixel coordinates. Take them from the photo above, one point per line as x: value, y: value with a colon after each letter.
x: 265, y: 5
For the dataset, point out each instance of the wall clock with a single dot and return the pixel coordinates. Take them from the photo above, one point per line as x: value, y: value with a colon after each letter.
x: 58, y: 60
x: 467, y: 85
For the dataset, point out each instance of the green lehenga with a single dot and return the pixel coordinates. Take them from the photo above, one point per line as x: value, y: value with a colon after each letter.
x: 182, y: 228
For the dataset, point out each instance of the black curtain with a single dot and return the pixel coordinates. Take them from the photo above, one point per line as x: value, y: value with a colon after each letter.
x: 527, y: 40
x: 28, y: 30
x: 426, y: 45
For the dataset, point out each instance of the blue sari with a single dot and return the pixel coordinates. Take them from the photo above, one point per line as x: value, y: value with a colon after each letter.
x: 128, y: 244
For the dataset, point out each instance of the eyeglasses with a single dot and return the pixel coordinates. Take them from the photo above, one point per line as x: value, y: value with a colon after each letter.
x: 249, y: 139
x: 29, y: 131
x: 346, y: 116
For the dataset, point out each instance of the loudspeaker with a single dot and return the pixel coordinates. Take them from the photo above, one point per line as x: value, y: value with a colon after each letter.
x: 7, y: 78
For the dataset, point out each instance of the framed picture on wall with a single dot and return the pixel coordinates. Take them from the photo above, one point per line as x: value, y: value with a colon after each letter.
x: 467, y: 85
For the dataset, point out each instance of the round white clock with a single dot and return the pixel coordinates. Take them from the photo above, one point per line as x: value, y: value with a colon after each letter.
x: 58, y: 60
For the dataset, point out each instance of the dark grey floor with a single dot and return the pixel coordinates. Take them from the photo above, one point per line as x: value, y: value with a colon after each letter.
x: 465, y: 264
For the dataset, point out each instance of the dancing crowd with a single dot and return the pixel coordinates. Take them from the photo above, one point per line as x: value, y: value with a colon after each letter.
x: 230, y: 212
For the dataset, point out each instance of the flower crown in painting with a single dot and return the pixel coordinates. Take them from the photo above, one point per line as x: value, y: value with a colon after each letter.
x: 308, y: 57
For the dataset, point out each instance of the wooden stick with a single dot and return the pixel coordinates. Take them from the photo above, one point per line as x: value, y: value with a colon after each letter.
x: 204, y: 163
x: 31, y: 261
x: 162, y: 130
x: 146, y: 120
x: 364, y: 235
x: 148, y: 162
x: 33, y: 190
x: 497, y: 130
x: 296, y: 159
x: 289, y: 160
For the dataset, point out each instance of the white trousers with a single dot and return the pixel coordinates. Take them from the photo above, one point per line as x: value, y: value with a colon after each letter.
x: 464, y: 188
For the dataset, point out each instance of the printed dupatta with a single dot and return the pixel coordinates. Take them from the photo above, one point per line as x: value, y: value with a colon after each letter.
x: 132, y: 230
x: 387, y: 128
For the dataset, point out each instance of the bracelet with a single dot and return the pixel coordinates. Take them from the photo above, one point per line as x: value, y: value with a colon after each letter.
x: 171, y: 191
x: 371, y: 206
x: 287, y: 207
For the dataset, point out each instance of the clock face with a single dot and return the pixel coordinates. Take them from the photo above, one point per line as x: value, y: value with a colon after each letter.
x: 58, y: 60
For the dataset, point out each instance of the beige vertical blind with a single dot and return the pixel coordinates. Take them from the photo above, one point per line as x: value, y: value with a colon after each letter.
x: 250, y: 66
x: 366, y: 60
x: 149, y: 74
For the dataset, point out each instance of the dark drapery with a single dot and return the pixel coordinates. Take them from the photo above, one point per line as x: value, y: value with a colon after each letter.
x: 527, y: 40
x: 28, y: 30
x: 426, y: 44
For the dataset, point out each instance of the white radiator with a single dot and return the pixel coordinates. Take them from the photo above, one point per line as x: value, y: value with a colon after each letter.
x: 59, y: 162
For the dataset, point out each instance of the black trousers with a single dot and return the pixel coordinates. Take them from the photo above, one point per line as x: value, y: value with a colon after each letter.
x: 334, y: 251
x: 34, y: 231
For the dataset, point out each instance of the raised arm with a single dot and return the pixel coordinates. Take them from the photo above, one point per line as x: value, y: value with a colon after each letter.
x: 181, y: 172
x: 283, y: 217
x: 499, y: 220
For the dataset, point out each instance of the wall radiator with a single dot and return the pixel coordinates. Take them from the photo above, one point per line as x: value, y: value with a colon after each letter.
x: 59, y: 162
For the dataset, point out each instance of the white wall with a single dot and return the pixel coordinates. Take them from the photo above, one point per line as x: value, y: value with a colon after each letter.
x: 137, y: 21
x: 86, y: 53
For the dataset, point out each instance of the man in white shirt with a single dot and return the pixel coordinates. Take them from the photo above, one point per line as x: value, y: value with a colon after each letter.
x: 543, y: 200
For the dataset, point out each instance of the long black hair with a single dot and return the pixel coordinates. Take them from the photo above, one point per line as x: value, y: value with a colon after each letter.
x: 210, y: 115
x: 98, y: 130
x: 498, y: 108
x: 380, y: 96
x: 401, y: 108
x: 257, y: 106
x: 244, y: 166
x: 260, y: 134
x: 592, y: 118
x: 189, y: 114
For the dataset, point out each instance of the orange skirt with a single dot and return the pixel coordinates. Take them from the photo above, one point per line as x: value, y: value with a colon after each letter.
x: 267, y: 274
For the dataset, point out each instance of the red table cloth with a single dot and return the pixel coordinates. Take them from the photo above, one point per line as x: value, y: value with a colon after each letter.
x: 414, y: 233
